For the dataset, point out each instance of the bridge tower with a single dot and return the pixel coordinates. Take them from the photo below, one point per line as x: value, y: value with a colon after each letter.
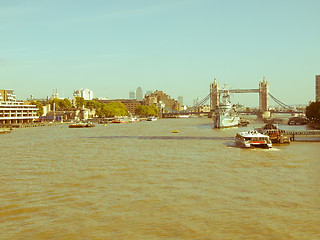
x: 214, y: 96
x: 263, y: 98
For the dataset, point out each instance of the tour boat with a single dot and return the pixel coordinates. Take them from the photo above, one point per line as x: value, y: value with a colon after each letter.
x: 252, y: 139
x: 225, y: 114
x: 152, y: 118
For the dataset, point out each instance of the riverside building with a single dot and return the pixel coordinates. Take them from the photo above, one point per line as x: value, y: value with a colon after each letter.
x: 15, y: 112
x: 159, y: 96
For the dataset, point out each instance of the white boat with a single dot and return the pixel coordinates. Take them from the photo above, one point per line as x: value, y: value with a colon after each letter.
x: 252, y: 139
x: 134, y: 119
x: 225, y: 114
x: 152, y: 118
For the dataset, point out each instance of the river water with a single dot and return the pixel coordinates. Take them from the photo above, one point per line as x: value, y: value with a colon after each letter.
x: 141, y: 181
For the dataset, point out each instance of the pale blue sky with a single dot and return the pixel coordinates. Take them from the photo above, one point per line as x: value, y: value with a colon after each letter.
x: 113, y: 47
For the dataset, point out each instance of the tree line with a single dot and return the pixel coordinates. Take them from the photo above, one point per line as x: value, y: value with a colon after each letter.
x: 146, y: 111
x: 111, y: 109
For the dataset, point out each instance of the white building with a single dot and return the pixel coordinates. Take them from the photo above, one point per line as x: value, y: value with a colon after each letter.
x: 86, y: 93
x: 13, y: 112
x: 17, y: 112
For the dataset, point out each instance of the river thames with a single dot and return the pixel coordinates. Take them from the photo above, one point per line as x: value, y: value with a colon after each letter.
x: 141, y: 181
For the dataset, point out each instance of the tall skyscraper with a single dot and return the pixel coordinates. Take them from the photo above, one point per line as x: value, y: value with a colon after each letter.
x: 139, y: 94
x: 318, y: 88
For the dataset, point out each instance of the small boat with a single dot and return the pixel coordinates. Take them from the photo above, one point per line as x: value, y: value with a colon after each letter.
x: 76, y: 125
x: 81, y: 125
x: 252, y: 139
x: 89, y: 124
x: 152, y: 118
x: 275, y: 135
x: 119, y: 120
x: 134, y: 119
x: 175, y: 131
x: 4, y: 131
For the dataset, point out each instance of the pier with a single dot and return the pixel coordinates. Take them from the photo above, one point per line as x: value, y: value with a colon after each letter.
x: 301, y: 133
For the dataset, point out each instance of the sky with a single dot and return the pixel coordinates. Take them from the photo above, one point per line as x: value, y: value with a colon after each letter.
x: 177, y: 46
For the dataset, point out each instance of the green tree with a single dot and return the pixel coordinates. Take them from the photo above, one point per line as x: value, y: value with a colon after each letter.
x: 54, y: 103
x: 64, y: 104
x: 80, y: 102
x: 67, y: 103
x: 313, y: 111
x: 91, y: 104
x: 109, y: 110
x: 60, y: 104
x: 39, y: 106
x: 114, y: 109
x: 144, y: 110
x: 141, y: 110
x: 100, y: 113
x: 153, y: 110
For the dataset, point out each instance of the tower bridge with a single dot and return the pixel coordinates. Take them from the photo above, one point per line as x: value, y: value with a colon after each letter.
x: 214, y: 98
x: 263, y: 91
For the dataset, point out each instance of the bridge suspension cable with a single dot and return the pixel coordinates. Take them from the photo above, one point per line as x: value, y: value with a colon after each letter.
x: 280, y: 103
x: 200, y: 103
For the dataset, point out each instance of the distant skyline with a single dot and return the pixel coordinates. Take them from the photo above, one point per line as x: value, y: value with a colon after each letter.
x: 179, y: 47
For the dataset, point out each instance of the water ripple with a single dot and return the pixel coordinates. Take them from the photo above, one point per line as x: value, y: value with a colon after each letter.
x: 164, y: 137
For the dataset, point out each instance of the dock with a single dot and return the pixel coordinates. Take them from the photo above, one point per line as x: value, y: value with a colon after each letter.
x: 301, y: 133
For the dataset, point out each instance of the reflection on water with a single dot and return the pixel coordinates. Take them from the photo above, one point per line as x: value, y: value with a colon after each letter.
x: 140, y: 181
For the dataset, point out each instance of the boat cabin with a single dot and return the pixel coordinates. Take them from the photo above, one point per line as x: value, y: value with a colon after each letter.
x: 252, y: 139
